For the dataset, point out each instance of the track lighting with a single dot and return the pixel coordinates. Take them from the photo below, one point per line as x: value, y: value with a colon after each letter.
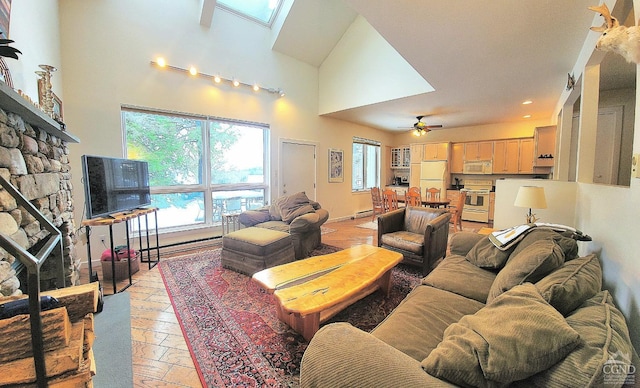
x: 162, y: 64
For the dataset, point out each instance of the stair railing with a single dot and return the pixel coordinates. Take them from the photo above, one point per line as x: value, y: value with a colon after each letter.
x: 32, y: 264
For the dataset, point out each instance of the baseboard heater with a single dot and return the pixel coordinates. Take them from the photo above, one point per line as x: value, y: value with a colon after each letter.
x: 362, y: 214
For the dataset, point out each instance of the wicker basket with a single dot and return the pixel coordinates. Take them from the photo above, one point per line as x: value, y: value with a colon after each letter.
x: 122, y: 268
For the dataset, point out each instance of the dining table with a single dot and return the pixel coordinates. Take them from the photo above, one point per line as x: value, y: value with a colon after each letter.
x: 436, y: 203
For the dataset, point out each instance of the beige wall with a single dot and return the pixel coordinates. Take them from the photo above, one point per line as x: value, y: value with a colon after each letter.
x: 34, y: 28
x: 106, y: 50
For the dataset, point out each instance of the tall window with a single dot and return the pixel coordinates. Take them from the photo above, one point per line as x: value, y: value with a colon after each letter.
x: 366, y: 164
x: 199, y: 167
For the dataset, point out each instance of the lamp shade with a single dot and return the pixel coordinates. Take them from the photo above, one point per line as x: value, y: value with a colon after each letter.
x: 531, y: 197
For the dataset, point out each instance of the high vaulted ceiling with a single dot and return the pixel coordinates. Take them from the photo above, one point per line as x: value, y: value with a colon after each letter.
x: 483, y: 58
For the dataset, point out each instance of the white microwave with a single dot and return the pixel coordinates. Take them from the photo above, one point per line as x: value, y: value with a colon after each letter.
x: 478, y: 167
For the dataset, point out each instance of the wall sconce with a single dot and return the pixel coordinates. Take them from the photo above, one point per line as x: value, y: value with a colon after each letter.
x: 533, y: 198
x: 161, y: 63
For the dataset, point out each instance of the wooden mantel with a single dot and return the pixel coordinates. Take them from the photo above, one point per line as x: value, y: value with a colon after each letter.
x: 12, y: 102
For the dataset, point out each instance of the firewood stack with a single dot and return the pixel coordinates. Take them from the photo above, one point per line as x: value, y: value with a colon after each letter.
x: 68, y: 334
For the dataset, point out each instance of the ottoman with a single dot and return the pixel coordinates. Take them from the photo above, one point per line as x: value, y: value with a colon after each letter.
x: 253, y: 249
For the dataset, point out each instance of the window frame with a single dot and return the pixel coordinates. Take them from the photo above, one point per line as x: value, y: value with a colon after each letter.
x: 206, y: 186
x: 365, y: 164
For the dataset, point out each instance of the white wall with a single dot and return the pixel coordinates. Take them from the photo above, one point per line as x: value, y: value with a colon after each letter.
x: 364, y: 69
x: 34, y: 28
x: 106, y: 50
x: 561, y: 197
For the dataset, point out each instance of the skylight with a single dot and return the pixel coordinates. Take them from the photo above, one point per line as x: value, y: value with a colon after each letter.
x: 261, y: 11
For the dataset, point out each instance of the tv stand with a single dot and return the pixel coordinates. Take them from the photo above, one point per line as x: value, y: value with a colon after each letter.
x: 125, y: 217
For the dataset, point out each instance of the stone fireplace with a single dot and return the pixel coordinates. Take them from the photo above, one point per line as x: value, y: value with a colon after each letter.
x: 34, y: 158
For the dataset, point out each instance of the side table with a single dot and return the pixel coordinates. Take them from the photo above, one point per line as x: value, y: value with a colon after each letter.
x: 116, y: 219
x: 230, y: 222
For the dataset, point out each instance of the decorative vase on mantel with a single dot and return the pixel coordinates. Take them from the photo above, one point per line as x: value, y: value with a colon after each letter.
x: 45, y: 92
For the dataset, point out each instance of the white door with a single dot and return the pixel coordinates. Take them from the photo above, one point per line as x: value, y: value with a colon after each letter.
x: 298, y: 166
x: 608, y: 137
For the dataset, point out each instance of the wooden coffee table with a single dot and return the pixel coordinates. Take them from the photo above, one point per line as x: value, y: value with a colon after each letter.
x: 310, y: 291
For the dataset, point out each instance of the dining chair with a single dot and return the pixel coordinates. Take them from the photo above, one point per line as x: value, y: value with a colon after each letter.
x: 390, y: 198
x: 433, y: 194
x: 378, y: 204
x: 456, y: 210
x: 413, y: 197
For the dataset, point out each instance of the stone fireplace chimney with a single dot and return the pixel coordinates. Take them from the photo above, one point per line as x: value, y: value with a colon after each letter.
x: 34, y: 158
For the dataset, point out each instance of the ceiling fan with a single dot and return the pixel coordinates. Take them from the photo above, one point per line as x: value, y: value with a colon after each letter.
x: 421, y: 128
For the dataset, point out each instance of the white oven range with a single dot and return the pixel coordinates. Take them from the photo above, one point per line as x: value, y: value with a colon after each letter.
x: 476, y: 205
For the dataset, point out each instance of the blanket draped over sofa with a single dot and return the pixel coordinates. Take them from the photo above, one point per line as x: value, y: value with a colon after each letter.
x: 295, y: 214
x: 533, y: 315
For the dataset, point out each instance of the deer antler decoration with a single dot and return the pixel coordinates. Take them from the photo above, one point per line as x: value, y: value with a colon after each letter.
x: 616, y: 38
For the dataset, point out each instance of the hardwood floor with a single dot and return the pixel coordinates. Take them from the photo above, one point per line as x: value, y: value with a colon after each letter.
x: 160, y: 354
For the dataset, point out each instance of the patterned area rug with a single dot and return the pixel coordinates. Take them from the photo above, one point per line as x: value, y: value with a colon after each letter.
x: 231, y: 328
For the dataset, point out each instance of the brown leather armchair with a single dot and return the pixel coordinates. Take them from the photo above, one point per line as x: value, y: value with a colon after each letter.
x: 420, y: 234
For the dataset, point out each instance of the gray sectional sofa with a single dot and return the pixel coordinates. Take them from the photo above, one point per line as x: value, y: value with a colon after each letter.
x: 532, y: 316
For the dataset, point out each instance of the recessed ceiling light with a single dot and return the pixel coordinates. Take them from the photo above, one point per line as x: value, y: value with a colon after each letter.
x: 193, y: 70
x: 526, y: 116
x: 527, y: 102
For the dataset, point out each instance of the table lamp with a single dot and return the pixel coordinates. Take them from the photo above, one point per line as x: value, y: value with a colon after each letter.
x: 533, y: 198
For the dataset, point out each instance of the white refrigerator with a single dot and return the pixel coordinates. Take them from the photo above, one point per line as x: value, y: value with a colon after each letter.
x: 434, y: 174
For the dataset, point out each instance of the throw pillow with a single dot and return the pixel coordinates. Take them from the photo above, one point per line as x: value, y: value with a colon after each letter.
x: 569, y: 286
x: 460, y: 243
x: 486, y: 255
x: 531, y: 337
x: 569, y: 246
x: 530, y: 265
x: 605, y: 342
x: 292, y: 206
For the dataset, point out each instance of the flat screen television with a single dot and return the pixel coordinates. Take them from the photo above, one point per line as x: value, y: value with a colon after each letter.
x: 113, y: 185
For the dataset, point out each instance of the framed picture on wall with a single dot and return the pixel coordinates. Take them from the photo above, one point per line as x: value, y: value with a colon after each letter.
x: 336, y: 165
x: 57, y: 107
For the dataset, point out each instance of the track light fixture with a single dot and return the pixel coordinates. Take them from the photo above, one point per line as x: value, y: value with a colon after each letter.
x: 162, y: 64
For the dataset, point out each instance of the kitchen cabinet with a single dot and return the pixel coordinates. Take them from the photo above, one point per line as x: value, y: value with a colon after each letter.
x: 525, y: 164
x: 482, y: 150
x: 457, y: 158
x: 545, y: 146
x: 435, y: 151
x: 506, y: 156
x: 400, y: 157
x: 416, y: 150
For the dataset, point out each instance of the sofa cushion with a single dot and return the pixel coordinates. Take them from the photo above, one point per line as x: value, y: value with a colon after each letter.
x: 289, y: 207
x: 569, y: 246
x: 253, y: 217
x: 460, y: 243
x: 569, y: 286
x: 417, y: 325
x: 405, y: 240
x: 531, y: 337
x: 530, y: 265
x: 486, y: 255
x: 604, y: 341
x: 274, y: 225
x: 459, y: 276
